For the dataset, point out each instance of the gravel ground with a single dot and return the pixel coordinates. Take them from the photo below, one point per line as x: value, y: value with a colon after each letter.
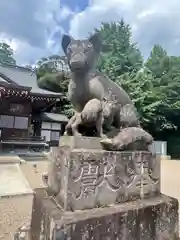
x: 14, y: 212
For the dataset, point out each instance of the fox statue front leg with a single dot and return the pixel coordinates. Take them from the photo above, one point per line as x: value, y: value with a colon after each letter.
x: 72, y: 120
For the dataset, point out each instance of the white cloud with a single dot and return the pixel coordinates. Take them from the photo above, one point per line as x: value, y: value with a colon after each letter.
x: 29, y: 27
x: 34, y: 28
x: 98, y: 11
x: 146, y: 13
x: 24, y: 53
x: 65, y: 13
x: 153, y: 22
x: 14, y: 43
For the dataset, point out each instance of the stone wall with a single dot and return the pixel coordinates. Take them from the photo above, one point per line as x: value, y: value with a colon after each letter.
x: 148, y: 219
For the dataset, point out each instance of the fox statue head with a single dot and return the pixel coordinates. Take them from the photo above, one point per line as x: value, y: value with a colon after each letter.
x: 81, y: 54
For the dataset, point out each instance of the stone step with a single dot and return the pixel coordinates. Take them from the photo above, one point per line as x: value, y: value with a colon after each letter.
x: 8, y: 159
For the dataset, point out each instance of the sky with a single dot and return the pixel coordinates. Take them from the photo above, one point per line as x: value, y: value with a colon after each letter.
x: 34, y: 28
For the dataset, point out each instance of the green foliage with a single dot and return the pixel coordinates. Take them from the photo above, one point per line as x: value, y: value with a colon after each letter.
x: 149, y: 101
x: 55, y: 81
x: 153, y: 87
x: 166, y: 72
x: 68, y: 109
x: 123, y: 62
x: 53, y: 75
x: 157, y: 61
x: 6, y: 54
x: 120, y: 55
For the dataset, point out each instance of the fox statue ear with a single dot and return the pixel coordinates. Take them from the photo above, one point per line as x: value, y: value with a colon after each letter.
x: 66, y: 39
x: 96, y: 42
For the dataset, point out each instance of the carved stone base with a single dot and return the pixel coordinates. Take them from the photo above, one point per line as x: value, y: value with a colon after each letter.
x: 147, y: 219
x: 90, y: 178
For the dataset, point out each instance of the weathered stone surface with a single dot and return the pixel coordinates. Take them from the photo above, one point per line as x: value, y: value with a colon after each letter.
x: 80, y: 142
x: 89, y: 178
x: 13, y: 181
x: 139, y: 220
x: 37, y: 213
x: 129, y: 139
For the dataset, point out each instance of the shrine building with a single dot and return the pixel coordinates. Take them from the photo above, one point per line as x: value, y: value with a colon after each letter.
x: 26, y: 111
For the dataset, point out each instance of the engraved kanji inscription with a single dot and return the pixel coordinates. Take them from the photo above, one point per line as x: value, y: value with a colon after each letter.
x: 113, y: 175
x: 89, y: 178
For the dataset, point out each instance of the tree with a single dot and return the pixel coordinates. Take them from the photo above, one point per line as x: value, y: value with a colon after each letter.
x: 122, y: 61
x: 147, y: 99
x: 120, y: 55
x: 6, y: 54
x: 166, y: 79
x: 53, y: 74
x: 159, y: 63
x: 166, y: 72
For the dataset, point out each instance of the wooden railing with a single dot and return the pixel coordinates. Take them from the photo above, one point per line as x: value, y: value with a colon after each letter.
x: 25, y: 139
x: 32, y: 143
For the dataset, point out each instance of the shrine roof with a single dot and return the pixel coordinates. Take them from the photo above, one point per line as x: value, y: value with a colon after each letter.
x: 25, y: 77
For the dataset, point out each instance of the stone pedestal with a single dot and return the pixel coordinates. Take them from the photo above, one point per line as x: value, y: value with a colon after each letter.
x: 95, y: 194
x: 149, y: 219
x: 82, y: 175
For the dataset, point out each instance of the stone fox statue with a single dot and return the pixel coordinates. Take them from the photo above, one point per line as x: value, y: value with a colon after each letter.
x: 131, y: 138
x: 96, y: 113
x: 87, y: 83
